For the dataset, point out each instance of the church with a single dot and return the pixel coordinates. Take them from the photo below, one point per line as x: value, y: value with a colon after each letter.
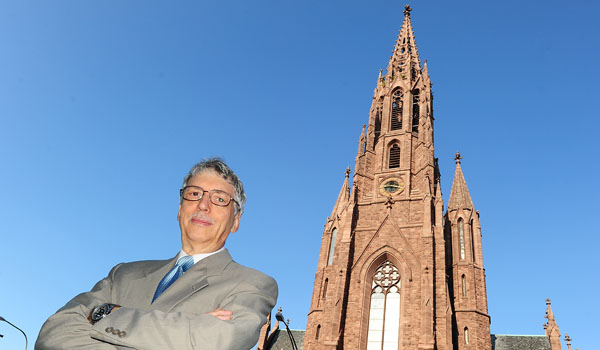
x: 398, y: 268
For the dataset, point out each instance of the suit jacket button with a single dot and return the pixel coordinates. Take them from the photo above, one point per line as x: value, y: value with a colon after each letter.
x: 108, y: 330
x: 122, y: 334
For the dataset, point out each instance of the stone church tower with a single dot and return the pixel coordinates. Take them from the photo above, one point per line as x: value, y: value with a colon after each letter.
x: 464, y: 261
x: 390, y: 275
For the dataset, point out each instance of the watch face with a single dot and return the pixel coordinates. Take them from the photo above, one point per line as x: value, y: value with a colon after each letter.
x: 391, y: 186
x: 99, y: 312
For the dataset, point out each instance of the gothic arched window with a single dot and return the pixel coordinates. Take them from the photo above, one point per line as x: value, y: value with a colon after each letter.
x: 384, y: 314
x: 394, y: 161
x: 396, y: 121
x: 466, y: 336
x: 325, y: 288
x: 317, y: 333
x: 416, y: 111
x: 461, y: 238
x: 332, y: 246
x: 464, y: 285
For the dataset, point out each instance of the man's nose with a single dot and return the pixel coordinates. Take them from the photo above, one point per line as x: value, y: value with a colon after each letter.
x: 204, y: 202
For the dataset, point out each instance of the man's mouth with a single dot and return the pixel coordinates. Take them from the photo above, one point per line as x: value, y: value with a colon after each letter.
x: 201, y: 221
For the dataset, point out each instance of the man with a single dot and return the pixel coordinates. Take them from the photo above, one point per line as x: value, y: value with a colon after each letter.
x: 200, y: 299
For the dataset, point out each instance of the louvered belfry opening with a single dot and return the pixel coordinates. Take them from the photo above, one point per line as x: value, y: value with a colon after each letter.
x: 416, y: 111
x: 396, y: 123
x: 394, y: 156
x: 377, y: 125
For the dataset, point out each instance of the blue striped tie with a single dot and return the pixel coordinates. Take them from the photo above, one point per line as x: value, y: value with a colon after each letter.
x: 182, y: 265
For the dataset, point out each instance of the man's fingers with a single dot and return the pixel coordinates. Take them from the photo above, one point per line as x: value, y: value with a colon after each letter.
x: 224, y: 315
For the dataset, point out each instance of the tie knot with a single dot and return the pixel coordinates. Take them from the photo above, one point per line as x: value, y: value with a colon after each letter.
x: 185, y: 262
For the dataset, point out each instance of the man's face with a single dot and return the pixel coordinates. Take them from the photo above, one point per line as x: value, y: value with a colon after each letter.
x: 204, y: 225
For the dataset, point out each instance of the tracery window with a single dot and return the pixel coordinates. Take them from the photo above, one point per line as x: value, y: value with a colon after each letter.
x: 384, y: 314
x: 394, y: 161
x: 396, y: 121
x: 332, y: 246
x: 461, y: 238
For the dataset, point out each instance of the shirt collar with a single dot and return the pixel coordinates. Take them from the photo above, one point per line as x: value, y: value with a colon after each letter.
x: 198, y: 257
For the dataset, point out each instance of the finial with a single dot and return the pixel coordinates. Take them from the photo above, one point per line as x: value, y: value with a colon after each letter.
x: 407, y: 10
x: 547, y: 301
x: 288, y: 322
x: 280, y: 309
x: 389, y: 202
x: 348, y: 172
x: 457, y: 158
x: 568, y: 340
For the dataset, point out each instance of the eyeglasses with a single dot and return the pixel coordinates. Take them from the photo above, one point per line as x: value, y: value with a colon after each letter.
x: 217, y: 197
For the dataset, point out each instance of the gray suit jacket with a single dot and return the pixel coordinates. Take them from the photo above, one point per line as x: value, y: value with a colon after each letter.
x: 178, y: 319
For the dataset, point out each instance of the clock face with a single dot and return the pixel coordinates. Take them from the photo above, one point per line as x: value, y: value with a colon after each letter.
x: 391, y: 187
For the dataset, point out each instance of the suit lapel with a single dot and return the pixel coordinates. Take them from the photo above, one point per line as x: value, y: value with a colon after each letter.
x: 194, y: 280
x: 143, y: 288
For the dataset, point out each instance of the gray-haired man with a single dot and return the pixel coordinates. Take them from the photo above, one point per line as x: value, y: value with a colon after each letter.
x: 201, y: 299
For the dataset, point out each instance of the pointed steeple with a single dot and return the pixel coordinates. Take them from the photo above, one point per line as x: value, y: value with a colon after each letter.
x: 404, y: 62
x: 459, y: 195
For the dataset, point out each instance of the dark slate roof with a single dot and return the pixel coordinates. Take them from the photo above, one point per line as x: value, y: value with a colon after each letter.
x: 520, y: 342
x: 281, y: 340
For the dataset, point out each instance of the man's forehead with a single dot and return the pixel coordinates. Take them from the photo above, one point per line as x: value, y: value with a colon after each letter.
x: 210, y: 172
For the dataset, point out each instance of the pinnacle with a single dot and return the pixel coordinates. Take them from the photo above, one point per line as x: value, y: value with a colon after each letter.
x: 344, y: 195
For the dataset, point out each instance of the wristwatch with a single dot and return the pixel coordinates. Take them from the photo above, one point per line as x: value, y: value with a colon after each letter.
x: 100, y: 311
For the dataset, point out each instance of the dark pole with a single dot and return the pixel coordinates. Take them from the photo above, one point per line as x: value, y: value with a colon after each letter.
x: 279, y: 317
x: 20, y: 330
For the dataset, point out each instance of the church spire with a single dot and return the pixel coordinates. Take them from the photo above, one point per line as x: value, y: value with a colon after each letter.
x: 459, y: 195
x: 465, y: 267
x: 404, y: 62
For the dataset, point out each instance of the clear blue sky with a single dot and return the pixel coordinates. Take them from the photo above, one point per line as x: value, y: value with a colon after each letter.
x: 104, y: 105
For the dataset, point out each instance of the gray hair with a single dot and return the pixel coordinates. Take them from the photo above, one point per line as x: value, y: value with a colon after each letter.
x: 218, y: 165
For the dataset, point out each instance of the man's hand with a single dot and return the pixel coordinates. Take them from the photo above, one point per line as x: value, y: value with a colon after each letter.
x: 223, y: 315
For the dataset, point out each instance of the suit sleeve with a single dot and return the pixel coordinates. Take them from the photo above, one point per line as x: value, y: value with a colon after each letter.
x: 69, y: 327
x: 250, y: 302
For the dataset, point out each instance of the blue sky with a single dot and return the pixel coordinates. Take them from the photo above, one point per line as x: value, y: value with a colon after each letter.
x: 104, y: 106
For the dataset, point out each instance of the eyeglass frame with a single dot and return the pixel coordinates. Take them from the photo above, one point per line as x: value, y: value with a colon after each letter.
x: 210, y: 192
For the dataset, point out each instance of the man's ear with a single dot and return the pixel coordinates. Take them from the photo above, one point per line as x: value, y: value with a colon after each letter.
x: 236, y: 222
x: 179, y: 212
